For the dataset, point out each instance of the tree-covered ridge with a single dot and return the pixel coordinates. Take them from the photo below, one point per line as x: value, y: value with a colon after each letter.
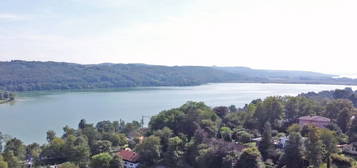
x: 33, y: 75
x: 195, y: 135
x: 22, y: 75
x: 346, y: 93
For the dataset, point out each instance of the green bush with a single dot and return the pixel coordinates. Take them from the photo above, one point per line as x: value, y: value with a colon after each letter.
x: 341, y: 161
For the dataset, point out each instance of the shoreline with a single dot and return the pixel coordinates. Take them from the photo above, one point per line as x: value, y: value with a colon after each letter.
x: 183, y: 86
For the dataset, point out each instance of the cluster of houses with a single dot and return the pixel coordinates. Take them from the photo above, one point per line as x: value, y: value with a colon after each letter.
x: 322, y: 122
x: 131, y: 159
x: 317, y: 121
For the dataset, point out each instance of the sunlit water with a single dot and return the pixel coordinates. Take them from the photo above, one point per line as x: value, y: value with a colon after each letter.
x: 36, y: 112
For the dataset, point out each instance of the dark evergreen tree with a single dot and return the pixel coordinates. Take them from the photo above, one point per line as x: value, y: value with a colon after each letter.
x: 266, y: 146
x: 353, y: 130
x: 313, y: 147
x: 344, y: 119
x: 293, y: 156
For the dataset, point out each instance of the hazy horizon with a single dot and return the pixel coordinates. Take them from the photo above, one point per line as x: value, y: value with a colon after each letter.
x: 306, y: 35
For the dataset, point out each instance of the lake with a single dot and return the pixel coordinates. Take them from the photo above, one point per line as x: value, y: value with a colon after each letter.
x: 34, y: 113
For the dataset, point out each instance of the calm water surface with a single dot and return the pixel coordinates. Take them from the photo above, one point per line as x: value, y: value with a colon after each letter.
x: 36, y: 112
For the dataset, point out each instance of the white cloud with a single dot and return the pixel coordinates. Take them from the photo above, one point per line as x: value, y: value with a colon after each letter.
x: 12, y: 17
x: 8, y: 16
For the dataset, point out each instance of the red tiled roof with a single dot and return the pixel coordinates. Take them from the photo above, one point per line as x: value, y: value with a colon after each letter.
x: 128, y: 155
x: 314, y: 118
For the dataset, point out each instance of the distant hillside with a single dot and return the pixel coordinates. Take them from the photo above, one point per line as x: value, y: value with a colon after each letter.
x: 33, y: 75
x: 274, y: 74
x: 22, y: 75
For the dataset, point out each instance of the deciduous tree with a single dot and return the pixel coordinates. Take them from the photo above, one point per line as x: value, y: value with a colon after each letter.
x: 150, y: 150
x: 101, y: 160
x: 329, y: 142
x: 250, y: 158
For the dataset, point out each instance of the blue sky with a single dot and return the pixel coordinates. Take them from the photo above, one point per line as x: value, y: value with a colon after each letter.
x: 81, y: 17
x: 314, y: 35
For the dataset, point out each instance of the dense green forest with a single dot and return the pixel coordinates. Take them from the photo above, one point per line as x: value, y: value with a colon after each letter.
x: 346, y: 93
x: 195, y: 135
x: 27, y: 76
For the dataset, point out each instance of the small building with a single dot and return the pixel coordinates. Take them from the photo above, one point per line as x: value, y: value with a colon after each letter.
x: 130, y: 158
x: 350, y: 149
x: 281, y: 142
x: 257, y: 139
x: 29, y: 163
x: 317, y: 121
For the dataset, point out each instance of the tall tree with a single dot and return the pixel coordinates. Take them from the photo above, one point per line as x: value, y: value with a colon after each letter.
x: 50, y: 135
x: 12, y: 160
x: 250, y: 158
x: 313, y: 147
x: 342, y: 93
x: 329, y: 142
x: 299, y: 106
x: 1, y: 141
x: 54, y: 151
x: 92, y: 135
x: 334, y: 108
x: 17, y: 147
x: 33, y: 151
x: 233, y: 108
x: 226, y: 133
x: 68, y: 131
x: 150, y: 150
x: 266, y: 145
x: 221, y: 111
x: 353, y: 130
x: 80, y: 152
x: 293, y: 152
x: 174, y: 155
x: 102, y: 146
x: 271, y: 109
x: 105, y: 126
x: 82, y: 124
x: 101, y: 160
x: 344, y: 119
x: 117, y: 162
x: 164, y: 134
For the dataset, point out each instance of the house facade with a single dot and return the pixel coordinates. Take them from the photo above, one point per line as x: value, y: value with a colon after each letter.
x: 317, y: 121
x: 131, y: 159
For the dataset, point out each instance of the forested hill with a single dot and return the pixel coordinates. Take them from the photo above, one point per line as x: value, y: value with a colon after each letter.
x: 23, y: 75
x: 32, y: 75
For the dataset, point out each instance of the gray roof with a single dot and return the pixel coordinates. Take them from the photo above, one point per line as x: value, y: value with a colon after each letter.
x: 314, y: 118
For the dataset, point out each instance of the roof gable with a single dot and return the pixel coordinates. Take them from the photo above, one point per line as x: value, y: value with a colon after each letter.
x: 128, y: 155
x: 315, y: 118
